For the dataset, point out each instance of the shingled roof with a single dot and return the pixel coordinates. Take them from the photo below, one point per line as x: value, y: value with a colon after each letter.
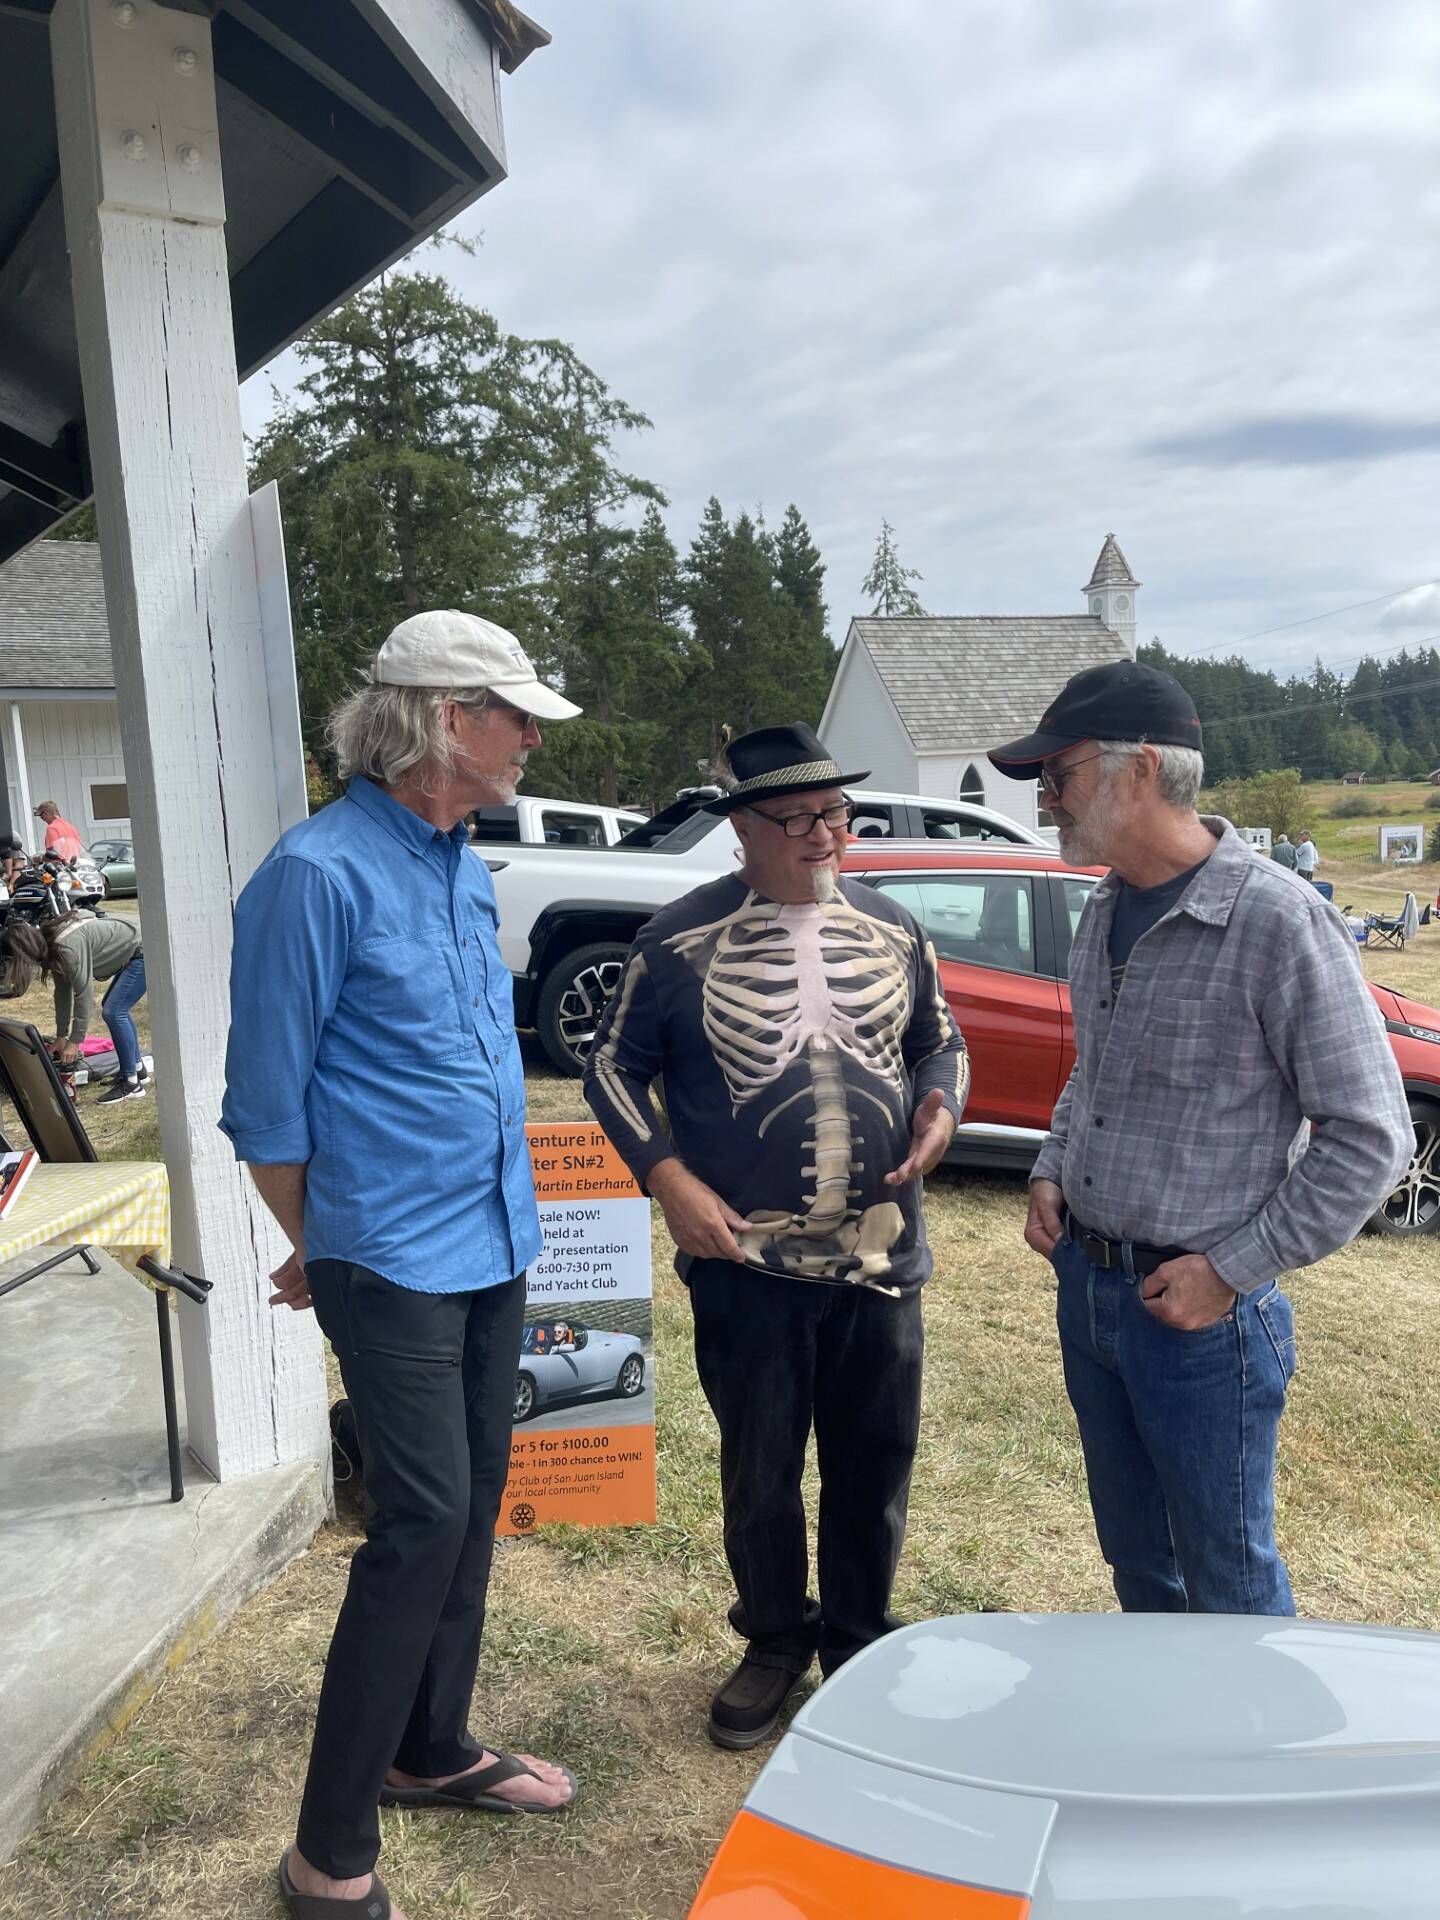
x: 977, y: 681
x: 54, y: 633
x: 1112, y: 569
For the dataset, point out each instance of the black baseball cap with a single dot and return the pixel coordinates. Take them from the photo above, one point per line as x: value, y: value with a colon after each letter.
x: 1121, y: 701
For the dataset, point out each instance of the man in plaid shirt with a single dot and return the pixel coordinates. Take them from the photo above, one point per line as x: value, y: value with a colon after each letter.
x: 1219, y: 1006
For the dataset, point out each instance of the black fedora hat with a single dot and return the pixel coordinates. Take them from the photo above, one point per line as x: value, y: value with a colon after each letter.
x: 778, y: 760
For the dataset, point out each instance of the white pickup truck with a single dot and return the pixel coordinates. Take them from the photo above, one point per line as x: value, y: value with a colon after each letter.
x: 534, y: 821
x: 569, y: 913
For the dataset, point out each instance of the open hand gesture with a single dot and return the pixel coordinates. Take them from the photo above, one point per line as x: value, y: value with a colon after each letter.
x: 930, y: 1135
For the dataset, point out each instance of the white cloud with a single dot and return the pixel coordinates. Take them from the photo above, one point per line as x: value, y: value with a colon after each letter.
x: 961, y: 266
x: 1419, y: 609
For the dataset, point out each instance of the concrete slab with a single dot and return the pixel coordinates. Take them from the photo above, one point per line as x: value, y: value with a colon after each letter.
x: 106, y: 1583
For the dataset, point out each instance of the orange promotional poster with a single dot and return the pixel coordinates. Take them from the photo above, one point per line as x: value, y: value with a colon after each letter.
x: 583, y: 1447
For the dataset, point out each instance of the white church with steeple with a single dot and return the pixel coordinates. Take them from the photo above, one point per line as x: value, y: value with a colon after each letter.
x: 919, y: 698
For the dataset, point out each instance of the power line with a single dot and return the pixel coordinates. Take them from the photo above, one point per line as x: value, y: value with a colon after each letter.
x: 1356, y: 606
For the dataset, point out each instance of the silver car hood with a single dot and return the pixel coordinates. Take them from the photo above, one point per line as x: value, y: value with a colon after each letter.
x: 1170, y: 1767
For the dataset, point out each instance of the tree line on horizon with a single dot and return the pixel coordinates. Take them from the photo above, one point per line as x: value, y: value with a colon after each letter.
x: 1383, y: 721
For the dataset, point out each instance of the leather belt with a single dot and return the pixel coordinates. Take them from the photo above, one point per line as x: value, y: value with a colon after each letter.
x: 1111, y: 1253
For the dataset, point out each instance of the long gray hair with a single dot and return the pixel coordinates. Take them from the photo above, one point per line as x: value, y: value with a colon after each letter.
x: 395, y: 734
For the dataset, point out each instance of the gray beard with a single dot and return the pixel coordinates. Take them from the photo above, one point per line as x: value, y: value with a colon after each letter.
x: 1092, y: 845
x: 823, y: 881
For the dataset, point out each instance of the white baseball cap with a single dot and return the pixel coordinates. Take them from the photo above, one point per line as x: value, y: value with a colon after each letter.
x: 450, y: 649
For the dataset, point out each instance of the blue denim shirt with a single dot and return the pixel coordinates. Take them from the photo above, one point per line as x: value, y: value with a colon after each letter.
x: 372, y: 1040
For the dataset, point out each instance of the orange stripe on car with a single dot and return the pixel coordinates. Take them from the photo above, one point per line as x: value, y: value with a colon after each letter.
x: 769, y: 1872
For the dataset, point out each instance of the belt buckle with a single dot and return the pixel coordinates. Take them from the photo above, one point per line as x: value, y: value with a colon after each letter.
x: 1096, y: 1246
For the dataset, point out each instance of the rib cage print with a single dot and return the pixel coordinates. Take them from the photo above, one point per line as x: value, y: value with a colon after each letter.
x: 790, y: 985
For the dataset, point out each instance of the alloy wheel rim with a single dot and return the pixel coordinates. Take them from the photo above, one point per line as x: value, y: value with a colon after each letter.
x: 1415, y: 1202
x: 583, y: 1002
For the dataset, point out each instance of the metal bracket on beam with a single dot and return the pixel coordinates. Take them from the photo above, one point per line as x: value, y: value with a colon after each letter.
x: 158, y: 128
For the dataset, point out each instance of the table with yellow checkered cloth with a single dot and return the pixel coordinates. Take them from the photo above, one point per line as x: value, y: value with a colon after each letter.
x: 120, y: 1205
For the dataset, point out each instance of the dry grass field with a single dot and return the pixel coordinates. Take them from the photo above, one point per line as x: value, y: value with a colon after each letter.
x: 602, y: 1648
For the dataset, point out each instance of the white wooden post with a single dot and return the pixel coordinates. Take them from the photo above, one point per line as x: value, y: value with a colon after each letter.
x: 25, y: 827
x: 144, y: 220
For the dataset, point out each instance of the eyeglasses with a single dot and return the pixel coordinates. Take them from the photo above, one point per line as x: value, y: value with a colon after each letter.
x: 1052, y: 780
x: 797, y: 825
x: 493, y: 703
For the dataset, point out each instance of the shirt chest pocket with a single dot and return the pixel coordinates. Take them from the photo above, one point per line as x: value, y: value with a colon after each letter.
x: 404, y: 986
x: 1182, y: 1045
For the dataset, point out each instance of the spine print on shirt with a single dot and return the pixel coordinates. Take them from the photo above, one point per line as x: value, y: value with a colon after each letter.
x: 785, y: 985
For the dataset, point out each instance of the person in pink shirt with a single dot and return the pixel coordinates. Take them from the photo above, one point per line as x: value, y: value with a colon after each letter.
x: 61, y: 838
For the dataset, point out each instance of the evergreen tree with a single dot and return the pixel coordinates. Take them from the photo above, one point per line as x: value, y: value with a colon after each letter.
x: 402, y: 461
x: 758, y: 617
x: 612, y: 661
x: 888, y: 580
x: 800, y: 579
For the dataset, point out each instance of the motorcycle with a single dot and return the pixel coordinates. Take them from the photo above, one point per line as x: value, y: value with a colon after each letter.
x: 48, y: 887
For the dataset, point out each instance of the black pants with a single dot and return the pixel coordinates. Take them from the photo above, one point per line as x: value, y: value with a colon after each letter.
x: 774, y: 1355
x: 431, y: 1378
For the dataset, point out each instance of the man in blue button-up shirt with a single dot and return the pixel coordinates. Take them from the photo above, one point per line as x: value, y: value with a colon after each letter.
x: 375, y: 1090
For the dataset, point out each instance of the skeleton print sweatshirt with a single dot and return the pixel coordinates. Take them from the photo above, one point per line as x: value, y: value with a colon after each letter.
x: 792, y: 1044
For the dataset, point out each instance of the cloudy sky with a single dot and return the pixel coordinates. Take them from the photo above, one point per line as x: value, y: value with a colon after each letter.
x: 1011, y: 273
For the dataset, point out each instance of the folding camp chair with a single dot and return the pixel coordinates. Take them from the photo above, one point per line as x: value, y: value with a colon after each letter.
x: 1393, y: 929
x: 29, y: 1081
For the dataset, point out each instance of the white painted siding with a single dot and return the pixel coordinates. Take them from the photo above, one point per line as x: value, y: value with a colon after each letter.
x: 941, y: 776
x: 71, y: 746
x: 861, y: 727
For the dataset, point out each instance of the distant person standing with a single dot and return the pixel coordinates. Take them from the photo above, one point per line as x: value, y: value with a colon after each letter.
x: 61, y: 838
x: 1307, y: 857
x: 1283, y: 854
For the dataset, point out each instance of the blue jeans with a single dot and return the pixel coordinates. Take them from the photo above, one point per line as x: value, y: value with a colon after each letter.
x: 126, y: 989
x: 1179, y: 1432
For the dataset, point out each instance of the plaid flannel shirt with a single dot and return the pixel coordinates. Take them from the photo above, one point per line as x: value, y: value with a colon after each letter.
x: 1243, y: 1014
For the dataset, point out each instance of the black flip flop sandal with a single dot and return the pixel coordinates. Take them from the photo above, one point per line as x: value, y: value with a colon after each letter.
x: 472, y: 1790
x: 374, y: 1905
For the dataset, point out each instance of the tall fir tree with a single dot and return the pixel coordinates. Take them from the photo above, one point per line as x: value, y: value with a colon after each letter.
x: 402, y: 461
x: 800, y: 581
x: 889, y: 580
x: 610, y: 661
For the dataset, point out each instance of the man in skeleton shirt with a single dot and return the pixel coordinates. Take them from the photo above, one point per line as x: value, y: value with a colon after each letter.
x: 812, y: 1075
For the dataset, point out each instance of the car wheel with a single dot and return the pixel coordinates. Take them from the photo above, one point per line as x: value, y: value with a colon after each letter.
x: 1414, y: 1206
x: 575, y: 994
x: 632, y: 1377
x: 524, y: 1398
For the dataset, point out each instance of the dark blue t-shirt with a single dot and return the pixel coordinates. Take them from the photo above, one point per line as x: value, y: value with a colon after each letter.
x: 1137, y: 909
